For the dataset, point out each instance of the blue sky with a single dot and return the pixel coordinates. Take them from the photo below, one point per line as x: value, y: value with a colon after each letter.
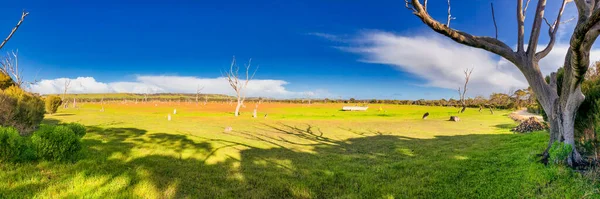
x: 314, y: 47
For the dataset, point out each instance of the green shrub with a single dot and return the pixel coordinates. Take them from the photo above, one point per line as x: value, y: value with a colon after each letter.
x: 78, y: 129
x: 21, y: 110
x: 56, y: 143
x: 12, y: 145
x: 52, y: 104
x: 559, y: 152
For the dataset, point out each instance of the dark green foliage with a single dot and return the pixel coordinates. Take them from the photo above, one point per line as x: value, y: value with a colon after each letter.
x: 56, y: 143
x: 12, y: 145
x: 21, y: 110
x: 587, y: 122
x: 559, y: 152
x: 78, y: 129
x: 52, y: 104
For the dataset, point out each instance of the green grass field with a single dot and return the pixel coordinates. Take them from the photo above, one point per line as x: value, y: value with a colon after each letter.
x: 298, y: 151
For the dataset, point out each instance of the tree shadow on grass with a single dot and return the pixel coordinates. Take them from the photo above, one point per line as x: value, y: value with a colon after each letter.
x: 506, y: 126
x: 372, y: 166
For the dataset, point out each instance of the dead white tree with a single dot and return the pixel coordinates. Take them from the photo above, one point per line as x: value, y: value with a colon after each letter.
x: 10, y: 67
x: 66, y: 88
x: 239, y: 86
x: 561, y: 109
x: 198, y: 93
x: 462, y: 94
x: 102, y: 104
x: 255, y: 112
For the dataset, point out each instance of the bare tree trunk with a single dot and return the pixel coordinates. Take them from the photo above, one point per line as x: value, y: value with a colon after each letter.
x: 238, y: 106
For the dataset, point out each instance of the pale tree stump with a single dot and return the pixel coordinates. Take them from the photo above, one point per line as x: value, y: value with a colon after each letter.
x: 169, y: 117
x: 174, y: 111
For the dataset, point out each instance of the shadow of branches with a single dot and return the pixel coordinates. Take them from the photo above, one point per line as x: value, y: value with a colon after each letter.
x: 379, y: 165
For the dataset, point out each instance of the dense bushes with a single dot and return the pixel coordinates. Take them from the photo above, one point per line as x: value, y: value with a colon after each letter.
x: 53, y: 143
x: 52, y: 104
x: 21, y: 110
x: 12, y: 146
x: 78, y: 129
x: 56, y: 143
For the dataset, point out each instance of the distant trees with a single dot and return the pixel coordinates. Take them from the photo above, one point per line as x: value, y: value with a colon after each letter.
x: 239, y: 86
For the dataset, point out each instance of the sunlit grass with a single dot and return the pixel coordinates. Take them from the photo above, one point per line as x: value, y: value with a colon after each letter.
x: 298, y: 151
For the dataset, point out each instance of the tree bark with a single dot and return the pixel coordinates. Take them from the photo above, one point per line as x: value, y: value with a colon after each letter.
x: 238, y: 106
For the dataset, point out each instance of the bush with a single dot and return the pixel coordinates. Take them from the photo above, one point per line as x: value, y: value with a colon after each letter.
x: 78, y: 129
x: 21, y: 110
x: 12, y: 145
x: 559, y: 152
x: 56, y: 143
x: 5, y: 81
x: 52, y: 104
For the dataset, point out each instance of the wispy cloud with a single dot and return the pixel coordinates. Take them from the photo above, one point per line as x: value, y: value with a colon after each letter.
x: 170, y: 84
x: 441, y: 62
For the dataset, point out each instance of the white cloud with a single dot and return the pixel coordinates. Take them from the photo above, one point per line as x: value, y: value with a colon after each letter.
x: 441, y: 62
x: 165, y: 84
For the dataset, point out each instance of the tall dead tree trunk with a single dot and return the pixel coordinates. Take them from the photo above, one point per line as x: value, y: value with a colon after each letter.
x: 464, y: 90
x: 561, y: 110
x: 239, y: 86
x: 67, y: 85
x: 198, y: 93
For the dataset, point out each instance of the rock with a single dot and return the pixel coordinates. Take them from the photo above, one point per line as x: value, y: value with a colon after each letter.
x: 454, y: 118
x: 425, y: 115
x: 529, y: 125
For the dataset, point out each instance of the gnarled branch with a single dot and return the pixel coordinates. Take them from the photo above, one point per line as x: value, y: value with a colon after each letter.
x: 487, y: 43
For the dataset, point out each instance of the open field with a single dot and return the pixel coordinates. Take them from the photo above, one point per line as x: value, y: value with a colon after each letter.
x: 298, y: 151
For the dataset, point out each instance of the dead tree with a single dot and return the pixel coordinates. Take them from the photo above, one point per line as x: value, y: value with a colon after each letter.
x: 464, y: 90
x: 67, y: 85
x: 561, y: 109
x: 198, y: 93
x: 255, y: 112
x: 238, y: 86
x: 205, y: 99
x: 10, y: 67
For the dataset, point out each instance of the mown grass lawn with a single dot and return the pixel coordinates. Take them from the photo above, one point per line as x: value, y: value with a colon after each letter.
x: 298, y: 151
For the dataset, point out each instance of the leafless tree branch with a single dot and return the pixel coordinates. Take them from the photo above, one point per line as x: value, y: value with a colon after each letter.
x: 487, y: 43
x: 23, y: 15
x: 494, y: 19
x: 449, y: 15
x: 552, y: 30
